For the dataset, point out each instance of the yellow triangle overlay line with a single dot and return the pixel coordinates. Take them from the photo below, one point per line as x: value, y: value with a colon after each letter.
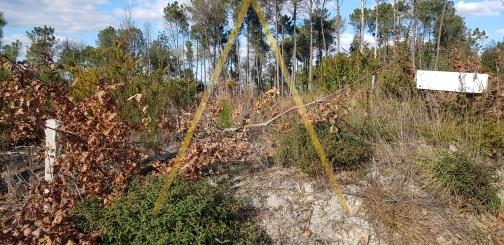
x: 297, y: 99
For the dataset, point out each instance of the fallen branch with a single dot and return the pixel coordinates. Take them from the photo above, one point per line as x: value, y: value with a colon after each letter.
x: 14, y: 153
x: 271, y: 120
x: 162, y: 157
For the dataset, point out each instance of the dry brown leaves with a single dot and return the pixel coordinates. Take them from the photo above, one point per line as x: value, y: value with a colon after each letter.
x: 462, y: 62
x: 493, y: 102
x: 27, y: 104
x: 209, y: 145
x: 95, y: 161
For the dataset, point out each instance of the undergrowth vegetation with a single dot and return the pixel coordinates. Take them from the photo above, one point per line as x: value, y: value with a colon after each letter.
x: 344, y: 149
x: 125, y: 105
x: 195, y: 213
x: 4, y: 74
x: 340, y: 70
x: 148, y: 101
x: 396, y: 80
x: 457, y: 174
x: 224, y: 118
x: 485, y: 135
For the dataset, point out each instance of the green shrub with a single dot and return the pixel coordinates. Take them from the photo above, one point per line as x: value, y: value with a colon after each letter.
x: 181, y: 92
x: 462, y: 176
x: 4, y: 74
x: 225, y: 117
x: 487, y: 136
x: 89, y: 215
x: 343, y: 149
x: 85, y: 83
x: 335, y: 71
x: 481, y: 135
x: 369, y: 126
x: 395, y: 80
x: 48, y: 76
x: 380, y: 119
x: 158, y: 94
x: 160, y: 99
x: 301, y: 80
x: 195, y: 213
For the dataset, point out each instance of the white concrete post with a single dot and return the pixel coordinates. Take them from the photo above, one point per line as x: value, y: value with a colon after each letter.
x: 50, y: 148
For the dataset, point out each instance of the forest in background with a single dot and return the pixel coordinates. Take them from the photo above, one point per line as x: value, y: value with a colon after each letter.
x: 425, y: 35
x: 126, y: 103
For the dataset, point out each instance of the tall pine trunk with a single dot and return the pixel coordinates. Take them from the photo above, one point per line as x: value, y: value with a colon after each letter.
x: 277, y: 70
x: 197, y: 58
x: 310, y: 69
x: 438, y: 45
x: 339, y: 19
x: 373, y: 79
x: 294, y: 52
x: 414, y: 37
x: 361, y: 31
x: 376, y: 30
x: 248, y: 57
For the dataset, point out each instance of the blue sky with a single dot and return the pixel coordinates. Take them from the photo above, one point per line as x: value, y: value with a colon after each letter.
x: 81, y: 19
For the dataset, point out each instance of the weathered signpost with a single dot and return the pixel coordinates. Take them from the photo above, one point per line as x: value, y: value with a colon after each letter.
x: 50, y: 148
x: 460, y: 82
x: 51, y: 152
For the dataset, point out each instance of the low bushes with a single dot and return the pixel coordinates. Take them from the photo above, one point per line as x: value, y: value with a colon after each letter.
x: 459, y: 175
x: 49, y: 76
x: 85, y: 83
x: 483, y: 135
x: 194, y: 213
x: 225, y: 117
x: 158, y: 96
x: 395, y: 80
x: 337, y: 71
x: 343, y: 149
x: 4, y: 74
x: 157, y: 103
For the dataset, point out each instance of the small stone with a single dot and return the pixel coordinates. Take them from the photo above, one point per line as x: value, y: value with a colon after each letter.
x: 453, y: 148
x: 308, y: 188
x: 36, y: 233
x: 27, y: 231
x: 306, y: 233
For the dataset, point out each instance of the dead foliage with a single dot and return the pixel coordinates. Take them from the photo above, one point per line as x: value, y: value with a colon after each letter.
x: 492, y: 103
x: 402, y: 221
x: 25, y: 103
x: 404, y: 218
x: 210, y: 145
x: 97, y: 159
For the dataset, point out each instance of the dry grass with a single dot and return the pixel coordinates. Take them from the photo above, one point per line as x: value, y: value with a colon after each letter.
x: 399, y: 201
x: 398, y: 217
x: 20, y: 172
x: 402, y: 218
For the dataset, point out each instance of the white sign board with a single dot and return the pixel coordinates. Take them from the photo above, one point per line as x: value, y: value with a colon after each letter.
x: 451, y: 81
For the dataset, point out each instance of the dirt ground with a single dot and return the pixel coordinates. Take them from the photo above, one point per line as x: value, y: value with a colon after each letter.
x: 296, y: 209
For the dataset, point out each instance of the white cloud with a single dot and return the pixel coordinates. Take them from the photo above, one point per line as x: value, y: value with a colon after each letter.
x: 66, y: 16
x: 147, y: 10
x: 347, y: 39
x: 25, y: 42
x: 151, y: 11
x: 484, y: 8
